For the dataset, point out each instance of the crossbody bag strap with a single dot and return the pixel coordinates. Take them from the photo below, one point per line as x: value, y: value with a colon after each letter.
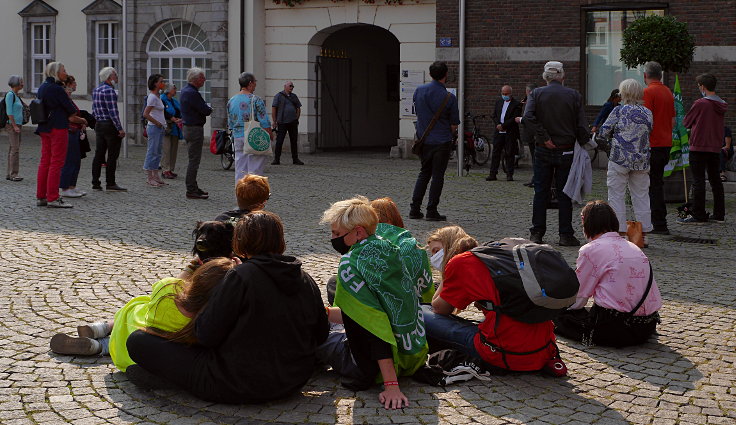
x: 435, y: 118
x: 646, y: 292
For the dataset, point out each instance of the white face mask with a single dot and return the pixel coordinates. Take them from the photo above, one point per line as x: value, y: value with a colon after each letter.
x: 436, y: 259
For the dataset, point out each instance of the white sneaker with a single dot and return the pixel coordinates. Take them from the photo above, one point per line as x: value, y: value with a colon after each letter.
x: 80, y: 192
x: 59, y: 203
x: 70, y: 193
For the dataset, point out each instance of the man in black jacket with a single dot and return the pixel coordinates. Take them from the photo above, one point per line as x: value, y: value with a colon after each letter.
x: 507, y: 133
x: 555, y: 114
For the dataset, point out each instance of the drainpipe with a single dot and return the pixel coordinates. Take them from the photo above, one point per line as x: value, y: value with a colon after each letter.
x: 461, y: 93
x: 123, y: 89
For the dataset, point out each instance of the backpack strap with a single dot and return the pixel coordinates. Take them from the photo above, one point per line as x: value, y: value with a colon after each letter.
x: 646, y: 292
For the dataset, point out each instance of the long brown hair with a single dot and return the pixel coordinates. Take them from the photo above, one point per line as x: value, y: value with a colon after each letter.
x: 193, y: 294
x: 387, y: 211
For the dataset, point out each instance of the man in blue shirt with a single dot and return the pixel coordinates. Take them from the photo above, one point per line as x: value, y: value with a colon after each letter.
x: 194, y: 113
x: 428, y: 98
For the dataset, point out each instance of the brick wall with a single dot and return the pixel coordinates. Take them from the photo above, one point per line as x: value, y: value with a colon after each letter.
x: 544, y: 23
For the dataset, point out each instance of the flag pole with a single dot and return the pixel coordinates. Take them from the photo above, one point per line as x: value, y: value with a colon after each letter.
x: 684, y: 181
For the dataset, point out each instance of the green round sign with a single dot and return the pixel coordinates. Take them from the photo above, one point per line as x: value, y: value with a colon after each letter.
x: 259, y: 140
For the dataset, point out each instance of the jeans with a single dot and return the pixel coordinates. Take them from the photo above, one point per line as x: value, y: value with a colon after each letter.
x: 703, y: 163
x: 617, y: 179
x: 195, y: 137
x: 107, y: 150
x: 659, y: 157
x: 335, y: 351
x: 502, y: 144
x: 247, y: 163
x: 434, y: 163
x: 70, y: 172
x: 155, y: 146
x: 53, y: 155
x: 546, y: 162
x: 293, y: 129
x: 450, y: 331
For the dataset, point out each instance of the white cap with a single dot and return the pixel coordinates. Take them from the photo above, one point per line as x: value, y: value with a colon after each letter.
x: 553, y: 66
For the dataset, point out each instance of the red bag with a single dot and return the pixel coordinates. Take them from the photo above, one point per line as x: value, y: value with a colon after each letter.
x: 213, y: 143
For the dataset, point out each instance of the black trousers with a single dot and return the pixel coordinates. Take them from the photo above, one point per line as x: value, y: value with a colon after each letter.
x: 107, y: 150
x: 434, y: 165
x: 707, y: 164
x: 602, y: 326
x: 503, y: 145
x: 293, y: 129
x: 659, y: 157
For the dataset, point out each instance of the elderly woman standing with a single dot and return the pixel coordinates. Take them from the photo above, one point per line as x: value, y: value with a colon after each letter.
x: 70, y: 172
x: 172, y: 112
x: 238, y: 113
x: 154, y: 113
x: 628, y: 127
x: 14, y: 108
x: 54, y: 135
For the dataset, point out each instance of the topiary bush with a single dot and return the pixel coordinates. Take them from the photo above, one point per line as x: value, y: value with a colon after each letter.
x: 658, y: 38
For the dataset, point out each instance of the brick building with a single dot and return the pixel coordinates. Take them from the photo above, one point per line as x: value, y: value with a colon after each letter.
x: 507, y: 42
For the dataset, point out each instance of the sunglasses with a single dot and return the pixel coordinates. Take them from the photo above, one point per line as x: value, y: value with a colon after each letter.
x: 291, y: 85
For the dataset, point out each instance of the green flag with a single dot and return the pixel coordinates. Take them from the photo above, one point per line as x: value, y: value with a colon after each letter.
x: 417, y: 270
x: 372, y: 291
x: 680, y: 152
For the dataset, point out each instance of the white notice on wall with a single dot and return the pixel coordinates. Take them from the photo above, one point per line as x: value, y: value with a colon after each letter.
x: 410, y: 80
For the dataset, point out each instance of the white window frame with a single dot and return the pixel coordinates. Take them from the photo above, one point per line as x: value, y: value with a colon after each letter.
x: 113, y: 44
x: 45, y: 55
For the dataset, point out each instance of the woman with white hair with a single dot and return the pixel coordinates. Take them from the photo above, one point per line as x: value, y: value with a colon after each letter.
x: 54, y: 135
x: 627, y: 129
x: 14, y: 109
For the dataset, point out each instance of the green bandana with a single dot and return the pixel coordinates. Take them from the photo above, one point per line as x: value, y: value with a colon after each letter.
x: 372, y: 291
x: 416, y: 263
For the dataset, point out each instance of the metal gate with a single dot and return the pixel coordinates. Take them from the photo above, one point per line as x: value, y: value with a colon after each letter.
x: 333, y: 102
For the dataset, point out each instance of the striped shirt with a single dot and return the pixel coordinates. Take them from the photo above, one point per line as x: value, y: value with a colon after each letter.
x: 105, y: 104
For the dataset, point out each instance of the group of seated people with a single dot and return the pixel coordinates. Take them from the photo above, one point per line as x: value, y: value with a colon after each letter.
x: 254, y: 328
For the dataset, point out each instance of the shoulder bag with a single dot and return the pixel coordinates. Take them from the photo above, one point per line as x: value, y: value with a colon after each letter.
x: 416, y: 147
x: 256, y: 141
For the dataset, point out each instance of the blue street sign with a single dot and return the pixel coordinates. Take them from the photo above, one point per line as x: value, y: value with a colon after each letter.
x: 445, y: 42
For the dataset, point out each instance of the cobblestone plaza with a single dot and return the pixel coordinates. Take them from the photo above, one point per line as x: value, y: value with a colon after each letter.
x: 61, y: 268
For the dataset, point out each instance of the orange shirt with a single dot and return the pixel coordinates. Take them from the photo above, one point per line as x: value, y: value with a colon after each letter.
x: 467, y: 279
x: 659, y: 99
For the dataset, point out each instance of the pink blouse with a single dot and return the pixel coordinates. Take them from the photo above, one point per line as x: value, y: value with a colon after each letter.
x: 615, y: 273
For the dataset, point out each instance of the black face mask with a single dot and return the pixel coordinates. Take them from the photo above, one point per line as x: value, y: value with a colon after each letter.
x: 339, y: 244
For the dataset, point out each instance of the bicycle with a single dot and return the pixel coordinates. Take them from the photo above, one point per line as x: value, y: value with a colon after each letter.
x: 477, y: 150
x: 227, y: 157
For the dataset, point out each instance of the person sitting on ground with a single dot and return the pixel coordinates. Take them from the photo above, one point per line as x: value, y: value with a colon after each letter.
x: 500, y: 341
x: 252, y: 193
x: 256, y: 337
x: 384, y: 328
x: 416, y: 263
x: 445, y: 243
x: 168, y: 310
x: 617, y: 274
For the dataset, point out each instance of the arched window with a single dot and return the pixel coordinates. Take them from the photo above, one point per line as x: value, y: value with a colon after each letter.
x: 175, y: 47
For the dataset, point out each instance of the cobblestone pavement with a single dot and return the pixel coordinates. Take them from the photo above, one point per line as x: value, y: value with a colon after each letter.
x: 59, y: 268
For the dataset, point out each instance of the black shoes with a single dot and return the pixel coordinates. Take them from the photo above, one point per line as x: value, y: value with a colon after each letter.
x: 491, y: 178
x: 297, y: 162
x: 416, y: 215
x: 660, y: 231
x: 435, y: 216
x: 146, y: 380
x: 536, y: 237
x: 530, y: 184
x: 115, y: 188
x: 509, y: 178
x: 569, y: 240
x: 97, y: 187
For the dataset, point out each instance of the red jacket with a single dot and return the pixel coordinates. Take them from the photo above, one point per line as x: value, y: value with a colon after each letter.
x: 705, y: 119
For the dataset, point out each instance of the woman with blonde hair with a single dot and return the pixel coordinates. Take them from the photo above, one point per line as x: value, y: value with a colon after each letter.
x: 627, y: 131
x: 445, y: 243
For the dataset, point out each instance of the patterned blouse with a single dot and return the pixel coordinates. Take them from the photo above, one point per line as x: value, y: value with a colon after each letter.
x: 238, y: 113
x: 628, y: 129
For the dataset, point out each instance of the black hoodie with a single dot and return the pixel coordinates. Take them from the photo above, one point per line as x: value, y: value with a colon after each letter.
x: 262, y: 325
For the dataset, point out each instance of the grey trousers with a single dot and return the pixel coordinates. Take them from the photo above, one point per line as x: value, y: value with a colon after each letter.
x: 13, y: 152
x: 194, y: 136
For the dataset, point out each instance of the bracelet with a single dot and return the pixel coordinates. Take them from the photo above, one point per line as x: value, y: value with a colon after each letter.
x: 327, y: 310
x: 390, y: 383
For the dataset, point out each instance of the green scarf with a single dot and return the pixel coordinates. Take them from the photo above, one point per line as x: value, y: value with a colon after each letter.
x: 417, y: 269
x: 372, y: 291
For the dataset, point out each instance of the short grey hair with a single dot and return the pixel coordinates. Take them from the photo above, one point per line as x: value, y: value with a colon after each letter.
x: 631, y: 92
x: 194, y: 73
x: 15, y: 81
x: 106, y: 73
x: 653, y: 70
x: 246, y: 78
x: 553, y: 76
x: 52, y: 70
x: 169, y: 85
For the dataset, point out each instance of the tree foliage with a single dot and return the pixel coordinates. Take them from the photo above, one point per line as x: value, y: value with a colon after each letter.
x: 658, y: 38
